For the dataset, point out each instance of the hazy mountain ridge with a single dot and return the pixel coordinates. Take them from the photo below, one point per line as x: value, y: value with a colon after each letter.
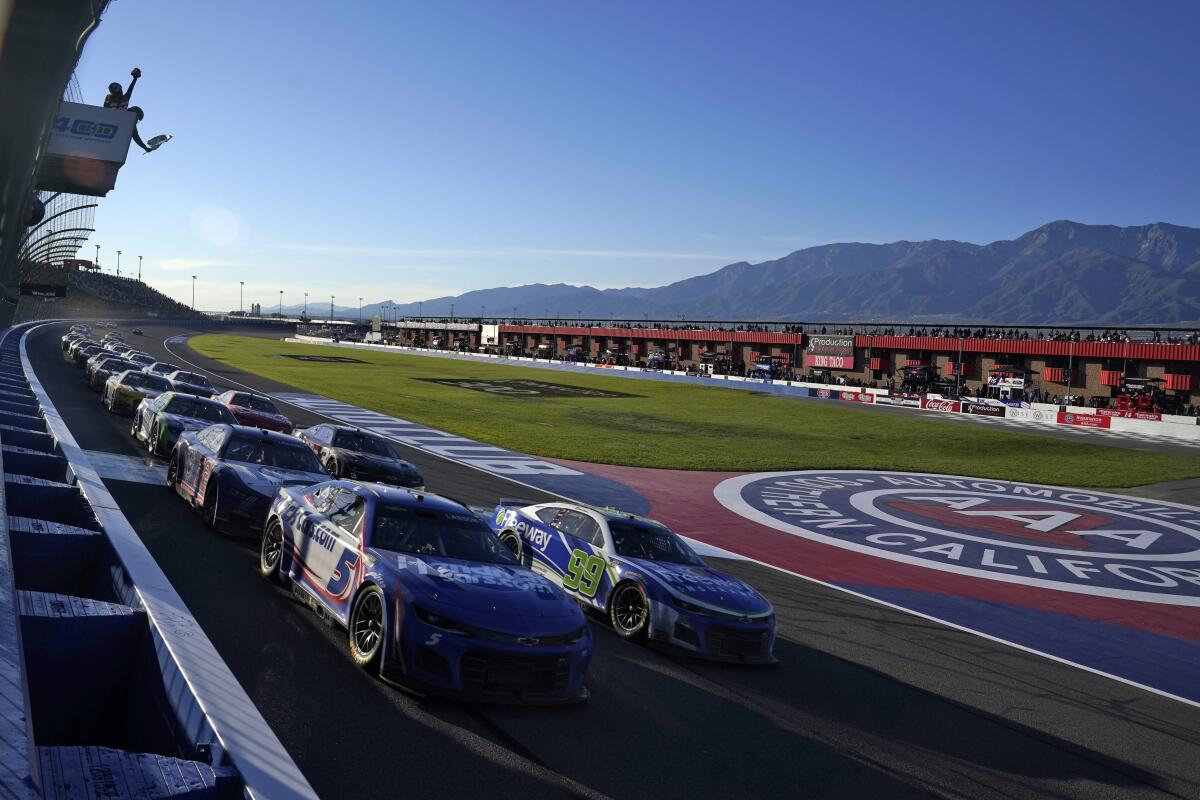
x: 1063, y: 272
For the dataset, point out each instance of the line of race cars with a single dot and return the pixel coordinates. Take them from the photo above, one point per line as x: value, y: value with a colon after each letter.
x: 435, y: 595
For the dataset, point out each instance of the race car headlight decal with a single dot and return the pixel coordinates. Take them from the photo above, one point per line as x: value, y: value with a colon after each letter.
x: 686, y: 606
x: 438, y: 621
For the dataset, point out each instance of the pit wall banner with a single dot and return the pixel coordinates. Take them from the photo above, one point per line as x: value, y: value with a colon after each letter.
x: 830, y: 352
x: 941, y: 405
x: 1148, y: 416
x: 983, y: 410
x: 1084, y: 420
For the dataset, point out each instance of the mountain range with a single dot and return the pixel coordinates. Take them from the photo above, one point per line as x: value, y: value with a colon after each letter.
x: 1061, y: 273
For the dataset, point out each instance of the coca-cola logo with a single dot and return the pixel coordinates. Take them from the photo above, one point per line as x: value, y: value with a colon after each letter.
x: 941, y: 405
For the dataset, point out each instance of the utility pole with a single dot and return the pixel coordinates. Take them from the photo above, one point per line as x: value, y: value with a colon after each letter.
x: 241, y: 292
x: 139, y: 269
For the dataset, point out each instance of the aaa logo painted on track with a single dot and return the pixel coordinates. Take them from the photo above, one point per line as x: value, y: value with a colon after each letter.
x: 1066, y: 539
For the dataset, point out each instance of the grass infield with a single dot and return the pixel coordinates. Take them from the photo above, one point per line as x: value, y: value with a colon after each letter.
x: 679, y: 426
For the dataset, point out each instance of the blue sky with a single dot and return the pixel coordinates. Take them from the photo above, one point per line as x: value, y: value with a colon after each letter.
x: 397, y: 150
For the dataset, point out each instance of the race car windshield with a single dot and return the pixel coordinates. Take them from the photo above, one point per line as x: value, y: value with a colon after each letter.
x: 267, y: 453
x: 187, y: 407
x: 431, y: 533
x: 651, y: 542
x: 136, y: 380
x: 362, y: 443
x: 192, y: 378
x: 157, y: 382
x: 254, y: 403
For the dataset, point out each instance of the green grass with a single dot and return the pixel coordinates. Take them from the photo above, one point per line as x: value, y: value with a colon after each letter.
x: 681, y: 426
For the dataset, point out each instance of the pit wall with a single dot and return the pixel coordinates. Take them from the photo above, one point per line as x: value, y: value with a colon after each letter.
x: 110, y: 687
x: 1174, y: 427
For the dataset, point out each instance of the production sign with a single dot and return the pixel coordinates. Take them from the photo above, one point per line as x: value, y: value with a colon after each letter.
x: 1050, y: 537
x: 829, y: 352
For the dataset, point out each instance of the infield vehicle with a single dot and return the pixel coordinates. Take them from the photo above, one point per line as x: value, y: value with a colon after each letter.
x: 160, y: 421
x: 347, y: 452
x: 231, y: 472
x: 191, y: 383
x: 99, y: 371
x: 642, y: 577
x: 429, y: 597
x: 125, y: 391
x: 255, y: 410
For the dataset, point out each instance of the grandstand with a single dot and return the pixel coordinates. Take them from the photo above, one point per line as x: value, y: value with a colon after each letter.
x: 94, y: 294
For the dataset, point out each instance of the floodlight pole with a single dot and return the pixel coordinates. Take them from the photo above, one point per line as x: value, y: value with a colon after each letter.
x: 360, y: 311
x: 241, y: 303
x: 331, y: 309
x: 118, y: 263
x: 193, y: 293
x: 139, y: 269
x: 306, y: 305
x: 281, y: 303
x: 96, y: 263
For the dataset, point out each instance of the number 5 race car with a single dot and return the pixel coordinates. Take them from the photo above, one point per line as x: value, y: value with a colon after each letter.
x: 643, y: 577
x: 429, y: 596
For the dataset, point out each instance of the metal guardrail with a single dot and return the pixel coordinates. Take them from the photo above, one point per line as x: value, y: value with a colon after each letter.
x: 108, y: 686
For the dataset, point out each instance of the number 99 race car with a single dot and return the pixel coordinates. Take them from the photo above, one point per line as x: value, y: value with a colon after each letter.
x: 428, y: 595
x: 643, y: 577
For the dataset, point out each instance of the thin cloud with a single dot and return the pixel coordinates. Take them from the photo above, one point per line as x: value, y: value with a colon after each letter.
x: 495, y: 252
x: 184, y: 264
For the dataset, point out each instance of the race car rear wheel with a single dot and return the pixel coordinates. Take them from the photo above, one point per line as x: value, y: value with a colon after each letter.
x: 513, y: 542
x: 629, y: 611
x: 365, y: 631
x: 270, y: 553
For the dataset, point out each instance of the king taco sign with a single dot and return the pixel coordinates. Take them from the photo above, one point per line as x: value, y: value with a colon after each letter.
x: 1050, y: 537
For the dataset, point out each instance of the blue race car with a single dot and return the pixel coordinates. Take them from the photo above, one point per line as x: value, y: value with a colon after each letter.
x: 231, y: 472
x: 643, y: 577
x: 429, y: 596
x: 159, y: 421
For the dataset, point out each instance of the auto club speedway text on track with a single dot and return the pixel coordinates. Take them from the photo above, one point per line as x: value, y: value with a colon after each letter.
x: 1044, y: 536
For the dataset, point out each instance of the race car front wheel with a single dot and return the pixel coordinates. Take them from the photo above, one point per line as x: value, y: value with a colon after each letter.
x: 173, y: 471
x: 212, y: 505
x: 366, y: 627
x: 629, y: 611
x: 271, y: 551
x: 513, y: 542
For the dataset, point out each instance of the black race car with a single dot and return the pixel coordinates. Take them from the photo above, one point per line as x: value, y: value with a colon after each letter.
x: 355, y: 454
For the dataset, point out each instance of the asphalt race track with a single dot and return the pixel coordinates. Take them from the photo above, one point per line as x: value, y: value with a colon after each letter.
x: 865, y: 702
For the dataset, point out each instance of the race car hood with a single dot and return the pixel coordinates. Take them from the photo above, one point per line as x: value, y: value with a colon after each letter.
x: 177, y: 422
x: 374, y: 462
x: 507, y: 590
x: 265, y: 480
x: 704, y: 584
x: 191, y: 388
x: 254, y: 418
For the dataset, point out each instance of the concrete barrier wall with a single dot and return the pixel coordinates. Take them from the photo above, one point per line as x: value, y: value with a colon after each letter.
x: 195, y: 701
